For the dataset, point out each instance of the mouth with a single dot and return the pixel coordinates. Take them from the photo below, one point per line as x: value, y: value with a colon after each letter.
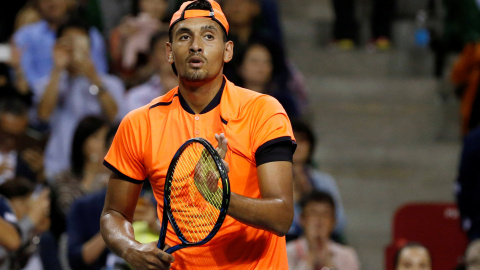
x: 195, y: 61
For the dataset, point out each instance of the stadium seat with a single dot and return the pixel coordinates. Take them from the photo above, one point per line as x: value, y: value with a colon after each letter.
x: 435, y: 225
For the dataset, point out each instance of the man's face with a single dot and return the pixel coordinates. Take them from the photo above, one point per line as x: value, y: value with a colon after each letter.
x: 198, y: 49
x: 12, y: 129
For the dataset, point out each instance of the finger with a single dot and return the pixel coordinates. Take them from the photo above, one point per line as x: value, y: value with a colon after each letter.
x: 164, y: 256
x: 227, y: 168
x: 222, y: 145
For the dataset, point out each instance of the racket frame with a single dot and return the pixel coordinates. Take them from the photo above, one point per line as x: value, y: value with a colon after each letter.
x: 167, y: 213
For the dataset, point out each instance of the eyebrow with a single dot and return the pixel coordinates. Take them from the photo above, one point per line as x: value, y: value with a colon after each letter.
x: 183, y: 30
x: 209, y: 27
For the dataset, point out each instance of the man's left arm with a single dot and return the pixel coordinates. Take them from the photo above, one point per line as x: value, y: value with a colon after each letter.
x: 274, y: 210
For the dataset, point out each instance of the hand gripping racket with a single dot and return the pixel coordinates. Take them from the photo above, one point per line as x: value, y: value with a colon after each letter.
x: 196, y: 196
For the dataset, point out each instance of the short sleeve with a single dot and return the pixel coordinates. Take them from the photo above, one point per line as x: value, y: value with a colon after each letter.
x: 271, y: 125
x: 126, y: 154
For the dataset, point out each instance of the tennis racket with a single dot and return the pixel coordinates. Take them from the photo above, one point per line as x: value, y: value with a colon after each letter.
x: 196, y: 196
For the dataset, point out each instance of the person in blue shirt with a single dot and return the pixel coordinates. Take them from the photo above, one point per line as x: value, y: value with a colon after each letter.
x: 36, y: 41
x: 73, y: 90
x: 307, y: 178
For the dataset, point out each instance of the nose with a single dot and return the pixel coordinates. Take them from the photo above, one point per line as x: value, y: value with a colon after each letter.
x: 195, y: 46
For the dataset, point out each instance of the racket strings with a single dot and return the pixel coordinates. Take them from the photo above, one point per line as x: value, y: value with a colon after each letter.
x: 196, y: 193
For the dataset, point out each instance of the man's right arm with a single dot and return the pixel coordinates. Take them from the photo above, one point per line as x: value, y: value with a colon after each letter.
x: 117, y: 231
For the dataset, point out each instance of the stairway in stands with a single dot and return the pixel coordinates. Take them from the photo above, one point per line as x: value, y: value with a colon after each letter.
x: 388, y: 129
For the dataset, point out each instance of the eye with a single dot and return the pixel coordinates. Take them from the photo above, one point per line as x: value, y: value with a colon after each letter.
x: 184, y: 37
x: 209, y: 37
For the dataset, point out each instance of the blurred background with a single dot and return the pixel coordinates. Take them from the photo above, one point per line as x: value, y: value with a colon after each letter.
x: 381, y: 94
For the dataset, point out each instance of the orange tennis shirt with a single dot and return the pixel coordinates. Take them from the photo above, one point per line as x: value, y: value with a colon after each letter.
x: 148, y: 138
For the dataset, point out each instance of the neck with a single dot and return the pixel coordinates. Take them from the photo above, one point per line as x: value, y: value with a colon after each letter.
x: 199, y: 94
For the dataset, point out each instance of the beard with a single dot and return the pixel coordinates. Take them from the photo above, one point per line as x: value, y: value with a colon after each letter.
x: 196, y: 75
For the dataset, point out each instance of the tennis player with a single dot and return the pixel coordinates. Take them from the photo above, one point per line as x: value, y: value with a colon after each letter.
x: 251, y: 132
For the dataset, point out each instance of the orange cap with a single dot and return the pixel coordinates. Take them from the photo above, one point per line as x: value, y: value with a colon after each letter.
x: 215, y: 13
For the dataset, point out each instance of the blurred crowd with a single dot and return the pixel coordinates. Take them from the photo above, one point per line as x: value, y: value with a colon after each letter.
x: 71, y: 69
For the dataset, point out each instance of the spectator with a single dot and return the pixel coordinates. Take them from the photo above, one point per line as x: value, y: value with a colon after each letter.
x: 159, y: 73
x: 73, y: 90
x: 129, y: 41
x: 10, y: 238
x: 36, y: 41
x: 465, y: 76
x: 413, y: 256
x: 246, y: 25
x: 20, y: 154
x: 108, y: 13
x: 306, y: 179
x: 86, y: 248
x: 256, y: 21
x: 263, y: 69
x: 345, y: 29
x: 12, y: 80
x: 28, y: 14
x: 315, y: 250
x: 31, y: 210
x: 472, y: 257
x: 468, y: 185
x: 87, y: 173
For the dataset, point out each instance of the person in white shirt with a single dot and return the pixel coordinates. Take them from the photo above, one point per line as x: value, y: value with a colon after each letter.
x: 315, y: 250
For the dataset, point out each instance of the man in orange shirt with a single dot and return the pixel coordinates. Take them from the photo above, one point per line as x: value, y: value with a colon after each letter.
x: 259, y: 153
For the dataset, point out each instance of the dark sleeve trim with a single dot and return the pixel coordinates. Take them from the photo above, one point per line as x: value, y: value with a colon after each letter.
x: 121, y: 175
x: 163, y: 103
x: 279, y: 149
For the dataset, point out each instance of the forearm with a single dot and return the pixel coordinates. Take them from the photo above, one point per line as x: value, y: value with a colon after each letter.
x: 9, y: 238
x: 117, y: 232
x: 109, y: 106
x: 271, y: 214
x: 48, y: 102
x: 20, y: 81
x: 93, y: 249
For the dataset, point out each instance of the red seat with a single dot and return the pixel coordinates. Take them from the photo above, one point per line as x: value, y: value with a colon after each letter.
x: 435, y: 225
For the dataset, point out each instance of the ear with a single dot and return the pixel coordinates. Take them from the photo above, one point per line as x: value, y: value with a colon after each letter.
x: 169, y: 53
x: 228, y: 54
